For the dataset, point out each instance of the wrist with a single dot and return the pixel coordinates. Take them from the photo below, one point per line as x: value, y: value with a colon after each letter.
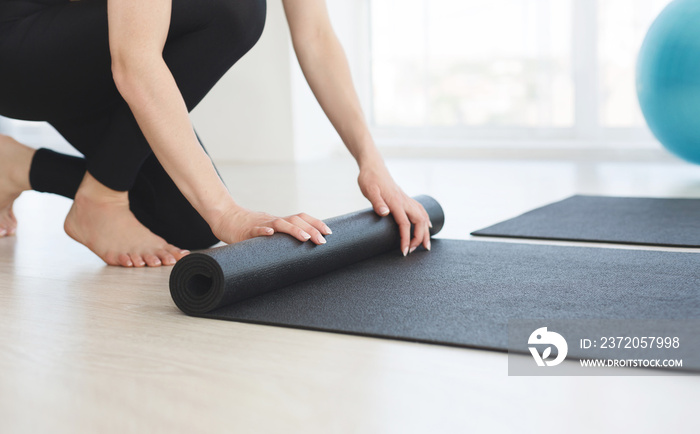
x: 216, y: 210
x: 370, y: 159
x: 365, y: 152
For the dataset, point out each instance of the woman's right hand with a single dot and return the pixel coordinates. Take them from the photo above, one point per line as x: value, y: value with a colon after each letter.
x: 238, y: 224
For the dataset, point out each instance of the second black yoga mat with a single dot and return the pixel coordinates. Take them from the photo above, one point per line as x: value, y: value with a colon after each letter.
x: 626, y: 220
x: 462, y: 293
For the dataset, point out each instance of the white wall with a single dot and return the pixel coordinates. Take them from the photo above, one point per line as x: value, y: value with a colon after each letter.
x: 263, y: 110
x: 247, y: 116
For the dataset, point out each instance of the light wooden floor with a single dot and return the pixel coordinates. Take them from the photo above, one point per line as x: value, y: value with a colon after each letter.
x: 89, y: 348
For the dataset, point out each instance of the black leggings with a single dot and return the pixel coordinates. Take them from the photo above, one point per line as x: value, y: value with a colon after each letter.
x: 55, y: 66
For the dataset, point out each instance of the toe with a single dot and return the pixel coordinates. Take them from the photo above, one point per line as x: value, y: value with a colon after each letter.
x: 152, y: 260
x: 11, y: 227
x: 125, y: 260
x: 110, y: 259
x: 166, y: 257
x: 177, y: 252
x: 137, y: 260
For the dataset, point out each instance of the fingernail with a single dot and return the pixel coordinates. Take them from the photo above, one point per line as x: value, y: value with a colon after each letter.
x: 305, y: 236
x: 269, y: 231
x: 413, y: 249
x: 328, y: 231
x: 185, y: 252
x: 321, y: 240
x: 2, y: 232
x: 383, y: 210
x: 405, y: 251
x: 430, y: 224
x: 428, y: 245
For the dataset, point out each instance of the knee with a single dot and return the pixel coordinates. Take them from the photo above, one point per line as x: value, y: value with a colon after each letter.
x: 242, y: 22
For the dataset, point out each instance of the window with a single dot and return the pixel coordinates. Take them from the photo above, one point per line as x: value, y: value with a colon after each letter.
x: 508, y: 68
x: 622, y: 25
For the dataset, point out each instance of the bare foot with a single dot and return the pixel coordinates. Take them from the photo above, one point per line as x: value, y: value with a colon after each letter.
x: 15, y: 159
x: 101, y: 220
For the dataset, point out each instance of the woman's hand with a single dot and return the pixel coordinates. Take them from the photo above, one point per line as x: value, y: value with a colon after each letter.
x: 238, y: 224
x: 387, y: 198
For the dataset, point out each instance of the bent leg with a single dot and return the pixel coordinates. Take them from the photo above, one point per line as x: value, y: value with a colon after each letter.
x: 154, y: 199
x: 69, y: 84
x: 56, y: 67
x: 52, y: 172
x: 159, y: 205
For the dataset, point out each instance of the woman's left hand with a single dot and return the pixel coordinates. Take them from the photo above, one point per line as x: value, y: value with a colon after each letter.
x: 387, y: 198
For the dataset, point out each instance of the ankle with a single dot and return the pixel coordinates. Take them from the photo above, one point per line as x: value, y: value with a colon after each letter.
x: 21, y: 176
x: 20, y: 157
x: 91, y: 191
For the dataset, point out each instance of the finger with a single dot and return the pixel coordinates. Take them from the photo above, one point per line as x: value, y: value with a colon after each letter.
x: 380, y: 207
x: 418, y: 212
x: 282, y: 225
x: 426, y: 240
x: 318, y: 224
x: 429, y: 225
x: 316, y: 235
x: 261, y: 231
x: 404, y: 228
x: 427, y: 216
x: 419, y: 230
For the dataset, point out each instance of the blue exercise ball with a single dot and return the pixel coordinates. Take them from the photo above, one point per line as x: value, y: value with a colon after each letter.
x: 668, y: 78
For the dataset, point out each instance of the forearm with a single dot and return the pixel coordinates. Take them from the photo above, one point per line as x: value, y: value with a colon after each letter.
x: 326, y: 69
x: 137, y: 34
x: 152, y: 94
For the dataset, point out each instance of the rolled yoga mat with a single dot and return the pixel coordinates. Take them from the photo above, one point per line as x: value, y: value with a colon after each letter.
x: 624, y: 220
x: 205, y: 281
x: 462, y: 293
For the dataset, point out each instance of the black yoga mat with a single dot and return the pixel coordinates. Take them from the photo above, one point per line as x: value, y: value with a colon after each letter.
x: 625, y: 220
x: 462, y: 293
